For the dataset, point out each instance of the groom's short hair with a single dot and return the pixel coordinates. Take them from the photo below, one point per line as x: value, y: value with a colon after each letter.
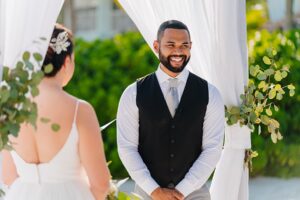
x: 175, y: 24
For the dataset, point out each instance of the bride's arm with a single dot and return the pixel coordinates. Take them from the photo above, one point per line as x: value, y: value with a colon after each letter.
x: 9, y: 171
x: 91, y: 150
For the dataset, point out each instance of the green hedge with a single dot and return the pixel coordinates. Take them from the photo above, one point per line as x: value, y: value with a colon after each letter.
x: 104, y: 68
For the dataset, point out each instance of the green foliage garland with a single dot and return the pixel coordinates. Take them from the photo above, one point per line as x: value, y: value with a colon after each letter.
x: 16, y: 105
x: 261, y: 97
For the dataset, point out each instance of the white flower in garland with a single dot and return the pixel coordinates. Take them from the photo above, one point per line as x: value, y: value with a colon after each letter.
x: 60, y: 43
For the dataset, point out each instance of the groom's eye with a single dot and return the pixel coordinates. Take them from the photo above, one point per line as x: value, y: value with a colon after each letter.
x: 170, y: 45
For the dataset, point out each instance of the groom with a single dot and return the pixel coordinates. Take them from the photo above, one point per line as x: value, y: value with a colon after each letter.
x: 170, y: 124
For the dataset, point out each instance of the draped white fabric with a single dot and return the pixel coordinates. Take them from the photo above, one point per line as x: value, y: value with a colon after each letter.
x: 22, y: 24
x: 219, y: 54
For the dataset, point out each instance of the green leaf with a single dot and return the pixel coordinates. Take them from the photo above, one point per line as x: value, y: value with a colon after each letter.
x: 234, y: 110
x: 123, y: 196
x: 269, y: 72
x: 38, y: 57
x: 2, y: 193
x: 261, y: 76
x: 262, y: 84
x: 5, y: 72
x: 278, y: 76
x: 4, y: 95
x: 34, y: 91
x: 26, y: 56
x: 274, y: 137
x: 284, y: 74
x: 279, y: 96
x: 233, y: 119
x: 272, y: 94
x: 29, y: 65
x: 253, y: 116
x: 14, y: 93
x: 267, y: 60
x: 291, y: 87
x: 269, y: 112
x: 254, y: 70
x: 275, y: 123
x: 274, y: 52
x: 292, y: 93
x: 36, y: 78
x: 276, y: 108
x: 14, y: 129
x: 265, y: 119
x: 48, y: 69
x: 32, y: 119
x: 45, y: 120
x: 19, y: 64
x: 277, y: 87
x: 55, y: 127
x: 259, y: 108
x: 259, y: 95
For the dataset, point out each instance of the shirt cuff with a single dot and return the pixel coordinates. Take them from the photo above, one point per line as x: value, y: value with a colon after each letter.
x: 185, y: 188
x: 149, y: 185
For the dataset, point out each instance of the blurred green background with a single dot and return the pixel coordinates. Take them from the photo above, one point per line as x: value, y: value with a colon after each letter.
x: 104, y: 68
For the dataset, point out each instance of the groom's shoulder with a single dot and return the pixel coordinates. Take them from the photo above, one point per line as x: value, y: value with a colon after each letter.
x: 145, y: 78
x: 131, y: 90
x: 198, y: 79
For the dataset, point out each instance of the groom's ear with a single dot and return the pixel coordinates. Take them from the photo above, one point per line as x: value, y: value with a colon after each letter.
x: 156, y: 46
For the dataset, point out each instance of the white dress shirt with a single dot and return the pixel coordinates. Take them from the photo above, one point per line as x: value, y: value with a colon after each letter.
x: 128, y: 137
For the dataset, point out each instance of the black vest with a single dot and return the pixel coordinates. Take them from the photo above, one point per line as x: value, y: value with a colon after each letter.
x: 169, y: 146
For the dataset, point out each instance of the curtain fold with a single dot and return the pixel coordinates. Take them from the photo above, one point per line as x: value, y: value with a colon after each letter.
x: 23, y: 24
x: 219, y: 55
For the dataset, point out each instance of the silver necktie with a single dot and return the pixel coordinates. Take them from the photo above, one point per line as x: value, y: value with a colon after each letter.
x: 172, y: 96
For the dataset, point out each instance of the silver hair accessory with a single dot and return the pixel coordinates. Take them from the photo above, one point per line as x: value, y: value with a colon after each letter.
x: 60, y: 43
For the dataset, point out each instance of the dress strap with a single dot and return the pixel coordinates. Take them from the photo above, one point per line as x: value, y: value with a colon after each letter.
x: 76, y: 110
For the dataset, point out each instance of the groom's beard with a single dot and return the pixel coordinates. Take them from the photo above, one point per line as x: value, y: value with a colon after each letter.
x: 166, y: 61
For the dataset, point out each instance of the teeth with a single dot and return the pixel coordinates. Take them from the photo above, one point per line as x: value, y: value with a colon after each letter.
x: 177, y: 59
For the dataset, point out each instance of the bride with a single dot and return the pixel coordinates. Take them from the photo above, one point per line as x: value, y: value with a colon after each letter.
x: 48, y: 165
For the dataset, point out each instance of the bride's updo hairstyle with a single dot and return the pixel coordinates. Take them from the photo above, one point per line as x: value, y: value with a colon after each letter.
x: 60, y: 46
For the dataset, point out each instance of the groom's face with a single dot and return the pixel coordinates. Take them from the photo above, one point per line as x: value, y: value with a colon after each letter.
x: 174, y: 49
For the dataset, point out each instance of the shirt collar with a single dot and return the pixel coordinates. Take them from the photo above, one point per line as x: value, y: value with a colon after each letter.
x: 163, y: 77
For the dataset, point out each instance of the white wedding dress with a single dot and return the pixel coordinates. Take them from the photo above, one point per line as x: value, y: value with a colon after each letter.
x: 62, y: 178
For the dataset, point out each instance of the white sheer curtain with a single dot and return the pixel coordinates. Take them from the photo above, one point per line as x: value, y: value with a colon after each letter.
x: 22, y: 24
x: 219, y: 54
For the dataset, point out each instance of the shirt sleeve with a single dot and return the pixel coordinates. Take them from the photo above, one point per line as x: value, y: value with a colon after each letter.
x: 213, y: 135
x: 128, y: 138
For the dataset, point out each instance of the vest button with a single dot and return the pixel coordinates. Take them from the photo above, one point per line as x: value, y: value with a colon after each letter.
x: 172, y: 141
x: 172, y: 126
x: 171, y: 185
x: 171, y: 169
x: 172, y: 155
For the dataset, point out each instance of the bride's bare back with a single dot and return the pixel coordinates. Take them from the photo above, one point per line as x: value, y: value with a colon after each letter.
x: 42, y: 144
